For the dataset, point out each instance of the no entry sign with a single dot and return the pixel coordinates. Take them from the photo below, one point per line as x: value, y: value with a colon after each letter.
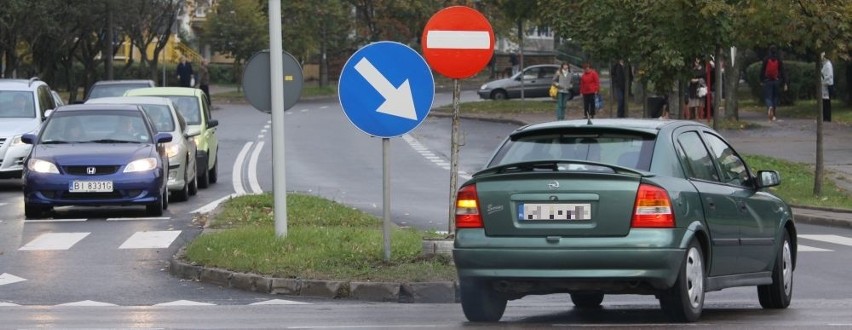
x: 458, y: 42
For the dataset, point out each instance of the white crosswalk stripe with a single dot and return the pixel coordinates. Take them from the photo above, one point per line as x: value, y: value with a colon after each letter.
x: 54, y: 241
x: 7, y: 278
x: 184, y: 303
x: 279, y: 302
x: 88, y: 303
x: 835, y: 239
x: 805, y: 248
x: 150, y: 240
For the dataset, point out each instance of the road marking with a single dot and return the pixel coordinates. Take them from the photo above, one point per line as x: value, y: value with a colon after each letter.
x: 423, y: 151
x: 252, y: 169
x: 212, y: 205
x: 280, y: 302
x: 237, y: 173
x: 7, y: 278
x: 5, y: 304
x: 829, y: 239
x: 55, y: 220
x: 140, y: 219
x: 437, y: 39
x: 87, y: 303
x: 184, y: 303
x: 54, y: 241
x: 150, y: 240
x: 805, y: 248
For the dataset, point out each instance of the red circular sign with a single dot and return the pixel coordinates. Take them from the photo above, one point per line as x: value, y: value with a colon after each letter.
x: 458, y: 42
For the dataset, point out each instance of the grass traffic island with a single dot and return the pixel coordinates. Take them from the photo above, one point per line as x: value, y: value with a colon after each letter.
x: 325, y: 241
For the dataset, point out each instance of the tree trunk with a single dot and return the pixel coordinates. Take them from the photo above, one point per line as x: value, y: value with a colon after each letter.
x: 732, y: 82
x: 717, y: 89
x: 818, y: 172
x: 323, y: 69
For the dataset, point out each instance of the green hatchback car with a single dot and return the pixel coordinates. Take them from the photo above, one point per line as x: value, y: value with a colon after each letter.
x: 620, y: 206
x: 192, y: 104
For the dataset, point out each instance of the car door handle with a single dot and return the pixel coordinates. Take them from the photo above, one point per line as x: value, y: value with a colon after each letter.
x: 710, y: 203
x: 743, y: 207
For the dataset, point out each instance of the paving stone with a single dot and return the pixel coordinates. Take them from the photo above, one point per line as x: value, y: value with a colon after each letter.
x: 374, y: 291
x: 287, y: 286
x: 242, y: 281
x: 184, y: 270
x: 215, y: 276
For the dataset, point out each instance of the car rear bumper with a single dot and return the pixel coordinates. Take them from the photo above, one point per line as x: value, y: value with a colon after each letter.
x: 644, y: 259
x: 52, y: 190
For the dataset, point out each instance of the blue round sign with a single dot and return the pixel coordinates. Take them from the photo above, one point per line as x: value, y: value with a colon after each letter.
x: 386, y: 89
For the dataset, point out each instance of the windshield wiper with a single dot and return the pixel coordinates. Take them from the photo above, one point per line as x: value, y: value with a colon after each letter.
x: 112, y: 141
x: 55, y: 142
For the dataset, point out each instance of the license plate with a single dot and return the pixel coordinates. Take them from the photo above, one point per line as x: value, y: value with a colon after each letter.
x: 554, y: 211
x: 89, y: 186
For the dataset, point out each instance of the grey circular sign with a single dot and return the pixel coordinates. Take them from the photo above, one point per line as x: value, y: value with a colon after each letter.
x: 257, y: 86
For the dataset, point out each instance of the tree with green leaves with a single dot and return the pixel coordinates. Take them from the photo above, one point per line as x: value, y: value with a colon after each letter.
x: 152, y: 22
x: 325, y: 32
x: 237, y: 28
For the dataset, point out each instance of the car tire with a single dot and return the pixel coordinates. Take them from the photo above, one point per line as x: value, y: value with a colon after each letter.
x: 587, y: 300
x: 156, y: 209
x: 480, y: 303
x: 183, y: 194
x: 203, y: 178
x: 32, y: 211
x: 778, y: 294
x: 166, y: 200
x: 499, y: 95
x: 684, y: 301
x: 193, y: 186
x: 214, y: 172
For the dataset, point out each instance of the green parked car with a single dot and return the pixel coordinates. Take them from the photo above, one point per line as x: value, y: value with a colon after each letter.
x: 620, y: 206
x: 192, y: 104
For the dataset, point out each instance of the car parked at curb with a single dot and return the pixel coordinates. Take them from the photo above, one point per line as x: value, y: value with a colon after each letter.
x: 96, y: 155
x: 181, y: 150
x: 24, y: 105
x: 192, y: 104
x: 621, y: 206
x: 537, y: 80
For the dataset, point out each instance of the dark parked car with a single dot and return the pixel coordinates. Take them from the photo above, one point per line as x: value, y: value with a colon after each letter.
x: 96, y: 155
x: 664, y: 208
x: 537, y: 80
x: 108, y: 88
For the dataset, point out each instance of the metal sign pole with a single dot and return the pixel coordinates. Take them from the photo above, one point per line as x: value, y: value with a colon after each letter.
x: 454, y: 159
x: 276, y: 66
x: 386, y: 197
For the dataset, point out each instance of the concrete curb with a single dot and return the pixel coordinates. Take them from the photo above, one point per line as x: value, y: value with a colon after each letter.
x: 415, y: 292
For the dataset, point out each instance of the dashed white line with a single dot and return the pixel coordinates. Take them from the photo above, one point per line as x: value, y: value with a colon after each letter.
x: 138, y: 219
x: 280, y: 302
x: 429, y: 155
x: 252, y: 167
x: 87, y: 303
x: 5, y: 304
x: 54, y: 241
x: 150, y: 239
x: 212, y: 205
x: 56, y: 220
x: 185, y: 303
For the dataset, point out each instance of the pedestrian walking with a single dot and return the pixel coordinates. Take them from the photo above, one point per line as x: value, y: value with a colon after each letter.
x: 619, y: 85
x: 563, y: 83
x: 772, y: 76
x: 204, y: 79
x: 696, y: 90
x: 590, y: 85
x: 184, y: 72
x: 827, y: 75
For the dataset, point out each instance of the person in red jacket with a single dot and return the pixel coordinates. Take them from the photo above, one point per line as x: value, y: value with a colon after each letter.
x: 590, y: 84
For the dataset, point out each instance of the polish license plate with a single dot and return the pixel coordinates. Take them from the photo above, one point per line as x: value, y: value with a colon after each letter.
x: 89, y: 186
x: 554, y: 211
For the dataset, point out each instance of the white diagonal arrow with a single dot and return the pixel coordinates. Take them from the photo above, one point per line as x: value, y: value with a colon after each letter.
x: 398, y: 101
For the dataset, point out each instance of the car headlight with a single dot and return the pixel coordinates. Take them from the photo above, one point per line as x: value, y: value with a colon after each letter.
x: 16, y: 140
x: 42, y: 166
x: 172, y: 149
x: 484, y: 86
x: 141, y: 165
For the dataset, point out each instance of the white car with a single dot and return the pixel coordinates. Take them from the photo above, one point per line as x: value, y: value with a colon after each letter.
x: 181, y: 151
x: 23, y: 107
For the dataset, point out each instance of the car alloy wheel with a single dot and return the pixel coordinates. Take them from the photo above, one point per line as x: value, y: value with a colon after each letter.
x: 499, y: 95
x: 779, y: 294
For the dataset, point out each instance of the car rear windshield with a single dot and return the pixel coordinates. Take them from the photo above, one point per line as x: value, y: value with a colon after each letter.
x: 632, y: 150
x: 160, y: 116
x: 96, y: 127
x: 99, y: 91
x: 187, y: 106
x: 17, y: 104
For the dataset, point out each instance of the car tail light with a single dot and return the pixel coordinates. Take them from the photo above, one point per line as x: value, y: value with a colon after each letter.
x: 467, y: 208
x: 653, y: 208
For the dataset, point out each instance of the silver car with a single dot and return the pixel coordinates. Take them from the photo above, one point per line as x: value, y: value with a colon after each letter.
x: 24, y: 104
x: 537, y: 80
x: 181, y: 151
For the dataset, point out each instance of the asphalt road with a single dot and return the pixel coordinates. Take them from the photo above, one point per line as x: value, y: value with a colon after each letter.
x: 327, y: 156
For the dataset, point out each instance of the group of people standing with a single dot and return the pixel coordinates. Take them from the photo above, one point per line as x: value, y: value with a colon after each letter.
x: 186, y: 76
x: 589, y: 88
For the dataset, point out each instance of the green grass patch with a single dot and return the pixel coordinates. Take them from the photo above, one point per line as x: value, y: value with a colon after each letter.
x: 803, y: 109
x: 325, y: 240
x: 797, y: 184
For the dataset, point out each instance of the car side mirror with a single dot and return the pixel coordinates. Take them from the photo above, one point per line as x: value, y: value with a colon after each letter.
x: 767, y: 179
x: 28, y: 138
x: 47, y: 113
x: 163, y: 137
x: 212, y: 123
x: 192, y: 134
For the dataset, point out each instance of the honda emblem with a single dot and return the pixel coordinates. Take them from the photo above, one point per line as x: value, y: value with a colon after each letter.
x: 91, y: 170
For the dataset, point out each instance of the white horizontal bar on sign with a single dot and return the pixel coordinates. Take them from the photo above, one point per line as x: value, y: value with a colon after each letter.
x: 458, y: 40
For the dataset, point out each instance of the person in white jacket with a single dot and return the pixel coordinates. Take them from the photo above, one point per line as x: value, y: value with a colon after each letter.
x: 827, y: 75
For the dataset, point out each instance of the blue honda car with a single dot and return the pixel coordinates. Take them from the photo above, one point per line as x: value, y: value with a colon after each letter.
x: 96, y: 155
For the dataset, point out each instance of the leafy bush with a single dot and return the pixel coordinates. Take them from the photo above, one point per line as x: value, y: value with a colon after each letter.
x: 801, y: 78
